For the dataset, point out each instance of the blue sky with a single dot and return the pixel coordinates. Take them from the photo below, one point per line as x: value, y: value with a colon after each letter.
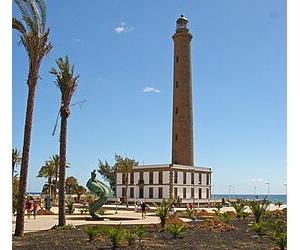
x: 120, y: 48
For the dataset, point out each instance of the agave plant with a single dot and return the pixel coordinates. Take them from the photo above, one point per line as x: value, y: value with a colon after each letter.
x: 92, y: 232
x: 175, y: 230
x: 115, y: 235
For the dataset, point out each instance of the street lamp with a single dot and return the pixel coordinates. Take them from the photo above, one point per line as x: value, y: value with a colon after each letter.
x: 254, y: 192
x: 233, y: 191
x: 268, y: 183
x: 285, y: 188
x: 212, y: 193
x: 229, y: 187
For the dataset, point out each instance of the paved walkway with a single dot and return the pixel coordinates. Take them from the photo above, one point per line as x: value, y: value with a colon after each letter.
x: 45, y: 222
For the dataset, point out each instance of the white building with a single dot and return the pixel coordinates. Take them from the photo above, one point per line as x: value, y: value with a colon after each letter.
x: 152, y: 183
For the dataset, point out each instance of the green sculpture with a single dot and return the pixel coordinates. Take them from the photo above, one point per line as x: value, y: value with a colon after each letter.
x: 99, y: 189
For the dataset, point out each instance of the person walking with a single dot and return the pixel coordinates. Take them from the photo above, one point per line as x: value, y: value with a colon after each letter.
x: 35, y: 207
x: 173, y: 210
x: 143, y: 207
x: 28, y: 206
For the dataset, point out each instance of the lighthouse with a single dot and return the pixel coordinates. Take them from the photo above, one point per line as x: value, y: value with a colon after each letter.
x: 182, y: 123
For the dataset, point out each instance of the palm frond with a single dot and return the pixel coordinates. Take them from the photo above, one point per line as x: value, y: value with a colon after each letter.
x: 35, y: 15
x: 17, y: 25
x: 42, y: 9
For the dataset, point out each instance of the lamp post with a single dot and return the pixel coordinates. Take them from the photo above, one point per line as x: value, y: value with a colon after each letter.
x: 134, y: 185
x: 285, y: 188
x: 229, y: 189
x: 232, y: 191
x: 212, y: 193
x: 268, y: 183
x: 254, y: 192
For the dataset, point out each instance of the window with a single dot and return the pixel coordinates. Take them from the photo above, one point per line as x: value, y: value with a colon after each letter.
x: 131, y: 178
x: 184, y: 193
x: 151, y: 178
x: 192, y: 178
x: 141, y: 192
x: 151, y: 192
x: 176, y: 85
x: 175, y: 192
x: 175, y: 177
x: 207, y: 193
x: 160, y: 177
x: 176, y: 110
x: 160, y: 191
x: 176, y: 137
x: 200, y: 193
x: 184, y: 177
x: 131, y: 192
x: 177, y: 59
x: 123, y: 192
x: 192, y: 192
x: 200, y: 178
x: 207, y: 179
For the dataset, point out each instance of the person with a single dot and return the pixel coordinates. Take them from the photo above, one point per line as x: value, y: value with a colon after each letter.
x: 173, y: 210
x: 143, y: 207
x: 190, y: 206
x: 28, y: 205
x: 35, y: 207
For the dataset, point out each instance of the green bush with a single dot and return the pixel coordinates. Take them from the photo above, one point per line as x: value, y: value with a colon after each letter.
x: 278, y: 233
x: 140, y: 232
x: 190, y: 213
x: 175, y: 230
x: 258, y: 228
x: 278, y: 203
x: 92, y: 232
x: 70, y: 204
x: 224, y: 217
x: 115, y: 235
x: 239, y: 207
x: 131, y: 237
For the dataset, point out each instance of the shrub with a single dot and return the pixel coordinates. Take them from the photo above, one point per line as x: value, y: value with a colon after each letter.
x: 280, y: 239
x: 70, y: 204
x: 115, y: 235
x: 100, y: 211
x: 219, y: 206
x: 278, y: 203
x: 131, y: 237
x: 258, y: 208
x: 258, y: 228
x: 68, y: 227
x: 92, y: 232
x: 224, y: 217
x: 140, y: 232
x: 239, y: 207
x: 163, y: 210
x: 190, y: 213
x: 175, y: 230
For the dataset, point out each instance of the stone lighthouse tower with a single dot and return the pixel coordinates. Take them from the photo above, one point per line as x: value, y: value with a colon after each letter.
x: 182, y: 129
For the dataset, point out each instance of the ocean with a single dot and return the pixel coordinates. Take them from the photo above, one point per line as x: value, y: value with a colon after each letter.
x: 272, y: 197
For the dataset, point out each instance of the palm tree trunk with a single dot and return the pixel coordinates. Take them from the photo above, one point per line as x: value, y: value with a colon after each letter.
x: 62, y: 170
x: 19, y: 231
x: 13, y: 170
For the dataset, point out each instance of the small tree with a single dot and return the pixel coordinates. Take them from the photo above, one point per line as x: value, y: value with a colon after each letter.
x: 16, y: 159
x: 109, y: 174
x: 163, y: 210
x: 175, y: 230
x: 258, y: 208
x: 125, y: 166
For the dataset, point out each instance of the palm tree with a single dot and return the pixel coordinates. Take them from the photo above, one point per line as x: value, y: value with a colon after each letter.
x: 71, y: 184
x: 80, y: 190
x: 48, y: 171
x: 16, y: 159
x: 54, y: 160
x: 34, y: 37
x: 66, y: 81
x: 125, y: 166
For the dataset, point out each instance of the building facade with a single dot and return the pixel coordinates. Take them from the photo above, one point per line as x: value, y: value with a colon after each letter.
x: 156, y: 182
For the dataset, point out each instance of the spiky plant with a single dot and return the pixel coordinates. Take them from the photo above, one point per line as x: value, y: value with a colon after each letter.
x: 258, y: 208
x: 239, y: 207
x: 163, y: 210
x: 66, y: 82
x: 175, y: 230
x: 33, y: 35
x: 16, y: 159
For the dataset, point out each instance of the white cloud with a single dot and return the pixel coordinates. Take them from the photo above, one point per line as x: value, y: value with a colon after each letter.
x: 123, y: 28
x: 257, y: 180
x: 77, y: 40
x: 151, y: 89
